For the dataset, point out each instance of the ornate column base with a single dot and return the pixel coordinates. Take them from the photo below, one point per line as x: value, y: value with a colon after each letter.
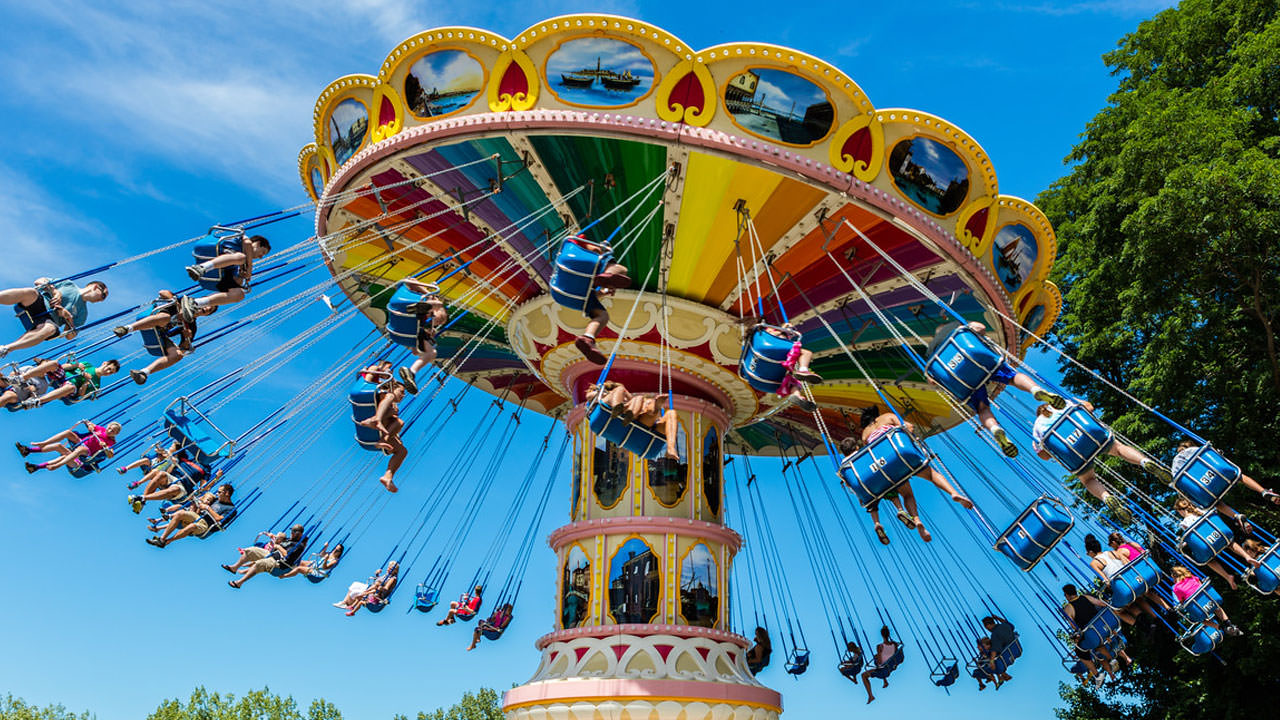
x: 642, y: 672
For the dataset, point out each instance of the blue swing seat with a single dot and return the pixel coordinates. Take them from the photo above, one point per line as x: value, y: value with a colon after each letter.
x: 1034, y: 533
x: 403, y: 325
x: 1265, y: 578
x: 883, y: 464
x: 496, y: 634
x: 573, y: 282
x: 1076, y: 438
x: 211, y: 246
x: 1206, y: 477
x: 196, y: 433
x: 963, y: 364
x: 1200, y: 639
x: 1074, y: 666
x: 945, y: 673
x: 637, y: 439
x: 157, y: 340
x: 1137, y: 578
x: 880, y: 672
x: 1099, y: 631
x: 1206, y: 539
x: 798, y: 661
x: 87, y: 466
x: 222, y: 524
x: 426, y: 598
x: 762, y: 357
x: 851, y: 664
x: 31, y: 322
x: 1201, y: 604
x: 364, y: 403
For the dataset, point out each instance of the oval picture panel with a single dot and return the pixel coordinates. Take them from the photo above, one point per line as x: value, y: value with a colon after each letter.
x: 779, y: 105
x: 634, y: 583
x: 599, y: 71
x: 348, y: 126
x: 442, y: 82
x: 1013, y: 256
x: 930, y: 174
x: 1032, y: 323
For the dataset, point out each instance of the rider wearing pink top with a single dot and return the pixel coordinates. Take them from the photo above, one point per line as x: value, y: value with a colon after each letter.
x: 98, y: 439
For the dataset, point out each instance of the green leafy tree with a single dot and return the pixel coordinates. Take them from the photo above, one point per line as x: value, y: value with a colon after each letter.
x: 12, y: 708
x: 483, y: 704
x: 254, y: 705
x: 1169, y: 261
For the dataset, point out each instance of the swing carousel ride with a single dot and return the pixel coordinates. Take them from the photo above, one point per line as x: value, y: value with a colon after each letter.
x: 777, y: 265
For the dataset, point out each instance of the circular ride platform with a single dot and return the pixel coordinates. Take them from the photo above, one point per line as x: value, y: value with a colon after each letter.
x: 742, y: 180
x: 743, y: 130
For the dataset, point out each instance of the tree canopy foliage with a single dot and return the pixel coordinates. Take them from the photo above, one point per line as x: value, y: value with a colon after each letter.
x: 1168, y: 226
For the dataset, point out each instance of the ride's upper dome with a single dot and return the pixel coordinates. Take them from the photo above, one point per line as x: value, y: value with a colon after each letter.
x: 464, y: 138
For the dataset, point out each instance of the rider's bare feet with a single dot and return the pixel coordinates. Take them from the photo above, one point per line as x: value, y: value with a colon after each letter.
x: 964, y: 501
x: 390, y: 486
x: 924, y: 535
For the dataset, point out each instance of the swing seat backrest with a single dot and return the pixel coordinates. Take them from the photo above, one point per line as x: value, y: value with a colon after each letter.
x: 31, y: 322
x: 798, y: 663
x: 1012, y: 651
x: 156, y: 340
x: 1034, y: 533
x: 203, y: 442
x: 403, y: 325
x: 87, y: 466
x: 637, y: 439
x: 1206, y: 539
x: 573, y: 282
x: 1099, y: 631
x: 1201, y: 604
x: 1137, y: 578
x: 946, y: 673
x: 464, y: 612
x: 1206, y: 477
x: 500, y: 621
x: 210, y: 247
x: 377, y: 606
x: 883, y: 464
x: 762, y: 358
x: 851, y: 664
x: 963, y: 364
x: 1265, y: 578
x: 425, y: 599
x: 1076, y: 438
x: 1200, y: 639
x: 364, y: 403
x: 223, y: 524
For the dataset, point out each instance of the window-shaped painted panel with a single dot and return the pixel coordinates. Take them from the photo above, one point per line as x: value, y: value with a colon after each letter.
x: 317, y: 181
x: 778, y: 105
x: 1013, y: 255
x: 609, y: 472
x: 1031, y: 322
x: 712, y: 469
x: 930, y: 174
x: 669, y: 478
x: 599, y: 71
x: 575, y: 589
x: 577, y: 474
x: 348, y: 126
x: 442, y: 82
x: 635, y: 583
x: 700, y: 587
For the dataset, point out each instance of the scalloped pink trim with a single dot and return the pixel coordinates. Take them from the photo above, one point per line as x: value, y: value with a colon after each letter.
x: 680, y: 631
x: 564, y: 691
x: 645, y: 524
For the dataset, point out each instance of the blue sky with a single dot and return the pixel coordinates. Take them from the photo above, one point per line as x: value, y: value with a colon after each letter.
x: 129, y: 128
